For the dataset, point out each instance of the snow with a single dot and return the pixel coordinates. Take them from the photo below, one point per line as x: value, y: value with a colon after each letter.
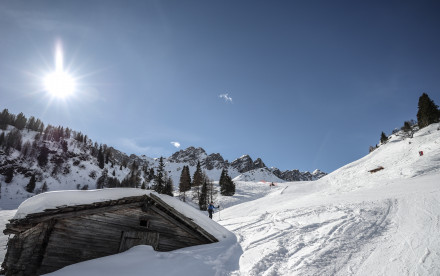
x: 51, y: 200
x: 4, y: 217
x: 78, y: 177
x: 143, y: 260
x: 258, y: 175
x: 350, y: 222
x: 82, y: 170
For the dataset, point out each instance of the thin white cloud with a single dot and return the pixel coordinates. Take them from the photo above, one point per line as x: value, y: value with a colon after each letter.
x: 132, y: 146
x: 225, y: 97
x: 176, y: 144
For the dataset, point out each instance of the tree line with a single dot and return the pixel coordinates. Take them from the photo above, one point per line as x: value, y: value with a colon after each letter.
x: 42, y: 149
x: 202, y: 187
x: 427, y: 113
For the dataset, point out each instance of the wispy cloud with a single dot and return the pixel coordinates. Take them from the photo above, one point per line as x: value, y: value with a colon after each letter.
x: 225, y: 97
x: 133, y: 146
x: 176, y: 144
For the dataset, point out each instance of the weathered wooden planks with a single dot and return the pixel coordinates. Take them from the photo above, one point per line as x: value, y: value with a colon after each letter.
x: 47, y: 241
x: 173, y: 213
x: 133, y: 238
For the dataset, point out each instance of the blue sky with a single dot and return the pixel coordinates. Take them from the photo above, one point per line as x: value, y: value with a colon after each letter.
x: 309, y: 84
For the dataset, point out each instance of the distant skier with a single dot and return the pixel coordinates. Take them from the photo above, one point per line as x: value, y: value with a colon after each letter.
x: 211, y: 208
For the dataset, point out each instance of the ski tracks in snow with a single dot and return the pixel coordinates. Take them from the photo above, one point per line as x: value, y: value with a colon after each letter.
x: 324, y: 240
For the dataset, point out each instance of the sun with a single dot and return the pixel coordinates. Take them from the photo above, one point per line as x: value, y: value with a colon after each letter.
x: 59, y: 84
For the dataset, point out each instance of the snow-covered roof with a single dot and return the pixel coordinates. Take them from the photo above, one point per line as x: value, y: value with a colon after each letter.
x: 61, y: 199
x: 57, y: 199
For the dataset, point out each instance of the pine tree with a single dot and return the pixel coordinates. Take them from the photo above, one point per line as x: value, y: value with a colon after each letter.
x: 197, y: 181
x: 198, y: 177
x: 203, y: 197
x: 30, y: 187
x: 221, y: 182
x: 100, y: 158
x: 143, y: 186
x: 9, y: 174
x: 64, y: 146
x: 227, y: 186
x: 31, y: 123
x: 383, y: 138
x: 2, y: 139
x: 231, y: 186
x: 185, y: 182
x: 406, y: 126
x: 428, y: 112
x: 40, y: 126
x: 113, y: 182
x: 67, y: 133
x: 20, y: 121
x: 5, y: 119
x: 151, y: 175
x: 14, y: 139
x: 159, y: 184
x: 43, y: 156
x: 168, y: 187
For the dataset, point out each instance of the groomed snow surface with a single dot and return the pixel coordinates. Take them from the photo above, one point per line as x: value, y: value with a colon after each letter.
x: 351, y: 222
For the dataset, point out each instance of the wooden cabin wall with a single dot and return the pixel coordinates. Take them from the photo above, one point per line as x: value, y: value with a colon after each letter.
x: 173, y: 234
x: 25, y: 250
x: 87, y: 237
x: 63, y: 238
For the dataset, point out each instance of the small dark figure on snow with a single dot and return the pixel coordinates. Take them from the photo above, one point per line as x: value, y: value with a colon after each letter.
x: 211, y: 208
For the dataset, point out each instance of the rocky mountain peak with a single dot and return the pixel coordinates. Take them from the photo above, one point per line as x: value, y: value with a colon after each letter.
x: 243, y: 164
x: 258, y: 164
x: 317, y: 174
x: 296, y: 175
x: 215, y: 161
x: 189, y: 155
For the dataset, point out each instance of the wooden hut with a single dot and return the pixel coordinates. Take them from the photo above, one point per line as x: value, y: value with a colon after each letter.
x: 47, y: 241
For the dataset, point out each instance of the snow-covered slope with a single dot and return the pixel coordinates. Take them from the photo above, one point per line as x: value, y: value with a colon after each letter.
x: 263, y: 174
x: 75, y: 169
x: 351, y: 222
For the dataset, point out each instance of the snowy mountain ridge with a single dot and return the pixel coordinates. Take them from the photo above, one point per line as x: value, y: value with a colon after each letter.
x: 71, y: 161
x: 243, y: 164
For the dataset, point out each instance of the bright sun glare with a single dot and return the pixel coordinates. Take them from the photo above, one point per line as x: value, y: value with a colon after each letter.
x: 59, y: 83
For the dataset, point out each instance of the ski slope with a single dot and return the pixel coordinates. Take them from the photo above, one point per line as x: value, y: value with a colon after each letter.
x: 351, y: 222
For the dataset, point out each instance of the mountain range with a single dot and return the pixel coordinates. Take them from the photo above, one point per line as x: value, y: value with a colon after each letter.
x: 73, y: 162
